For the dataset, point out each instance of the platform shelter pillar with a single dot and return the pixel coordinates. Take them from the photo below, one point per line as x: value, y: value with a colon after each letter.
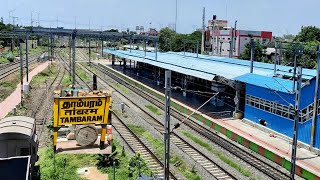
x: 113, y: 58
x: 184, y: 86
x: 124, y: 64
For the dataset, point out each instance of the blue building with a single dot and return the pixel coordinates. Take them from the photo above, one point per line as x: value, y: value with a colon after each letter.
x: 268, y: 91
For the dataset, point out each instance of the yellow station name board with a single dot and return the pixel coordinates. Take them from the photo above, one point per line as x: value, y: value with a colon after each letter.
x: 81, y: 110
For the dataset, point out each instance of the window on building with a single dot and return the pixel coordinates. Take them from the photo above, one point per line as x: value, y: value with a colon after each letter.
x: 279, y: 109
x: 228, y: 38
x: 245, y: 38
x: 224, y: 38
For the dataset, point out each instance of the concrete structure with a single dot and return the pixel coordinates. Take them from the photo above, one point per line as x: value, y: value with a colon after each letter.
x: 219, y: 38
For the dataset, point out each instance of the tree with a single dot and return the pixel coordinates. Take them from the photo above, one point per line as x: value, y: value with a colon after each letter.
x: 137, y: 165
x: 259, y: 54
x: 166, y: 39
x: 171, y: 41
x: 307, y: 34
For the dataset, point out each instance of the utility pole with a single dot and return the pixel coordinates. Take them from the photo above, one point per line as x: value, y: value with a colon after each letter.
x: 156, y: 47
x: 296, y: 121
x: 52, y: 42
x: 21, y: 70
x: 27, y: 51
x: 235, y: 36
x: 31, y: 19
x: 102, y: 48
x: 294, y: 70
x: 252, y: 54
x: 38, y: 19
x: 203, y: 30
x: 130, y: 43
x: 197, y: 48
x: 90, y: 51
x: 73, y: 58
x: 315, y: 103
x: 167, y: 125
x: 145, y: 48
x: 176, y: 18
x: 70, y: 56
x: 230, y: 47
x: 275, y: 59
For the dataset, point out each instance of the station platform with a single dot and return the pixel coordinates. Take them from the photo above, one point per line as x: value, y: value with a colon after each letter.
x: 262, y: 142
x: 14, y: 99
x: 191, y: 99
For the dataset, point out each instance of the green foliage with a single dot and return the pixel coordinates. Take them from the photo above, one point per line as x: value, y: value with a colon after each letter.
x: 307, y: 59
x: 122, y: 170
x: 49, y: 73
x: 308, y: 34
x: 244, y: 171
x: 137, y: 165
x: 66, y: 164
x: 166, y: 39
x: 153, y: 109
x: 171, y: 41
x: 258, y: 52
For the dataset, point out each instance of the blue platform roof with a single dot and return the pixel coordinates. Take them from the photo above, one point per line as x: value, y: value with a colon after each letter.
x: 207, y: 67
x: 277, y: 84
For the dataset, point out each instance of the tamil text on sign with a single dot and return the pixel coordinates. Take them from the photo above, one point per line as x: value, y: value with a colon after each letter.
x: 82, y: 110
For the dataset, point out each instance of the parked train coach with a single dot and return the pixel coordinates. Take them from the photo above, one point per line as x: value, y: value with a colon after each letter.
x: 18, y: 139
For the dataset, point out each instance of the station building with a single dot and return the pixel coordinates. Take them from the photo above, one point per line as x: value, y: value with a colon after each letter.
x: 265, y: 95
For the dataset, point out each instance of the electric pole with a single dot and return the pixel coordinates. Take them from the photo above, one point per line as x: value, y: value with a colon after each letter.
x: 73, y: 43
x: 252, y: 54
x: 176, y: 18
x: 21, y: 70
x: 27, y: 52
x: 296, y: 122
x: 167, y: 125
x: 315, y: 103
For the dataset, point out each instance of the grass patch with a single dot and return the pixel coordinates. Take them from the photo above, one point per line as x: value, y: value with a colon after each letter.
x: 66, y: 81
x: 63, y: 170
x: 221, y: 156
x: 159, y: 150
x: 8, y: 85
x: 49, y: 73
x: 122, y: 170
x: 120, y: 87
x: 82, y: 74
x: 153, y: 109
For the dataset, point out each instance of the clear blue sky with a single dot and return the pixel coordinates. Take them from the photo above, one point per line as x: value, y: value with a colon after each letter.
x: 279, y: 16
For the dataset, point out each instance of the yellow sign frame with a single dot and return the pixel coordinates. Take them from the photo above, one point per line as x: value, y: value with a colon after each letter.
x: 81, y: 110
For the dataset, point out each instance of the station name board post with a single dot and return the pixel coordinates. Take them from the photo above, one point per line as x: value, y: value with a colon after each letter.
x: 80, y: 111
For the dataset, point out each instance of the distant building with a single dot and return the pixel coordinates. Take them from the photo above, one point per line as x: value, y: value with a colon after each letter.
x: 219, y: 37
x: 151, y: 32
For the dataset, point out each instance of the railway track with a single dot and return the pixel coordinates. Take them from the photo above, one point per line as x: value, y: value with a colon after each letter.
x: 211, y: 167
x: 14, y: 67
x: 246, y: 156
x: 136, y: 145
x: 42, y: 111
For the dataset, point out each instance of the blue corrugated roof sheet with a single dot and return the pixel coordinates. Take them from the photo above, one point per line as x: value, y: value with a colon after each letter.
x: 277, y: 84
x: 207, y: 67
